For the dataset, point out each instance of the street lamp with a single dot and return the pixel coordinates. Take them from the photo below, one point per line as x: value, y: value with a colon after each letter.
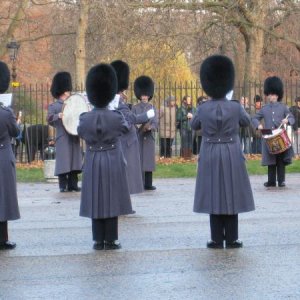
x: 13, y: 48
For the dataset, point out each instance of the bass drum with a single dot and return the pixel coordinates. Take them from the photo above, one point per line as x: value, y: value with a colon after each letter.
x: 73, y: 107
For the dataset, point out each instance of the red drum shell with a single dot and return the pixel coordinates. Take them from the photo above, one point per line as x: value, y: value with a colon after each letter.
x: 278, y: 143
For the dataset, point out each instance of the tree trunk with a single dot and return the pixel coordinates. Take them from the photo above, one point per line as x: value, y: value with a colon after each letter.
x: 80, y: 51
x: 254, y: 52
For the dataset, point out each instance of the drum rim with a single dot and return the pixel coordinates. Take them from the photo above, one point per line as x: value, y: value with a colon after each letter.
x: 66, y: 103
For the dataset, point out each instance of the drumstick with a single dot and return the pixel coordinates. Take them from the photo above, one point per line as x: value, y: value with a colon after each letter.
x: 284, y: 119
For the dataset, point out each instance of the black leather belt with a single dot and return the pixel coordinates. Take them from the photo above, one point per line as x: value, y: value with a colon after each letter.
x: 2, y: 146
x: 101, y: 147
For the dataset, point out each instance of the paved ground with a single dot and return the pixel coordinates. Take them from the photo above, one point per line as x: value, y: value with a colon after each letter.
x: 163, y: 255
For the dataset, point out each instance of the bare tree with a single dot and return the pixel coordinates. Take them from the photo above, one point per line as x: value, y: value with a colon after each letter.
x: 255, y: 20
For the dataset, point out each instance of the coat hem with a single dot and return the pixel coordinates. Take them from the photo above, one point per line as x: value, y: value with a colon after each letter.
x: 224, y: 213
x: 106, y: 216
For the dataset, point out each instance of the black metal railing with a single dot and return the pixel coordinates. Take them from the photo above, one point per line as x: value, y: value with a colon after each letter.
x: 174, y: 136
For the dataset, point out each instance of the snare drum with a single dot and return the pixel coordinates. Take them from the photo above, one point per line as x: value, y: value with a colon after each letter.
x: 278, y: 141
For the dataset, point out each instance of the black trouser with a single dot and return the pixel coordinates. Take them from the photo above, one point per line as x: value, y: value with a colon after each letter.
x: 148, y: 179
x: 279, y: 168
x: 3, y: 232
x: 105, y: 229
x: 166, y: 147
x: 68, y: 180
x: 197, y: 144
x: 224, y: 227
x: 256, y: 145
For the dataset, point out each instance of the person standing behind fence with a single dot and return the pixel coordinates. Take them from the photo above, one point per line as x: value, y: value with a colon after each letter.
x: 144, y: 90
x: 197, y: 134
x: 129, y: 140
x: 68, y: 162
x: 245, y: 132
x: 223, y: 188
x: 274, y: 115
x: 295, y: 110
x: 105, y: 192
x: 256, y: 134
x: 182, y: 117
x: 9, y: 209
x: 17, y: 141
x: 167, y: 126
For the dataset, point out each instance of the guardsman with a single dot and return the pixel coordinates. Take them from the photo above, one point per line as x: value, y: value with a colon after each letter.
x: 68, y: 162
x: 130, y: 143
x: 144, y: 90
x: 105, y: 192
x: 222, y: 188
x: 9, y: 209
x: 274, y: 114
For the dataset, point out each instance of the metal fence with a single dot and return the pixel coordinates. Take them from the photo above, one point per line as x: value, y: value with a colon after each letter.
x: 173, y: 136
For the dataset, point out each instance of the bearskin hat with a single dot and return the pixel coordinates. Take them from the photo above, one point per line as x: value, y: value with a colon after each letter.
x: 217, y: 76
x: 62, y: 82
x: 143, y: 86
x: 122, y: 71
x: 273, y: 85
x: 4, y: 77
x: 101, y: 85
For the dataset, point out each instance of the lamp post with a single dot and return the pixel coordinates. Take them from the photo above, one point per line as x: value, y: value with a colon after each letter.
x: 13, y: 48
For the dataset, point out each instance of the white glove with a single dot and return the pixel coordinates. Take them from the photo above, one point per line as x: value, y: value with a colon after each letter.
x: 113, y: 104
x: 150, y: 113
x: 229, y: 95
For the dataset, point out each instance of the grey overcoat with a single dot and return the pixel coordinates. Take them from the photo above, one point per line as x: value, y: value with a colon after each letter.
x: 9, y: 209
x: 273, y: 114
x: 131, y: 148
x: 146, y: 138
x: 68, y: 152
x: 222, y: 185
x: 105, y: 191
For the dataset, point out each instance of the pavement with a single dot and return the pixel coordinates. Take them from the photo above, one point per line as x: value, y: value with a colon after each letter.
x: 163, y: 255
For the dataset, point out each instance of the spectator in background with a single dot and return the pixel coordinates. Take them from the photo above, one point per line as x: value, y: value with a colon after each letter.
x: 167, y: 126
x: 16, y: 141
x: 245, y: 133
x: 197, y: 136
x: 256, y: 134
x: 183, y: 115
x: 295, y: 110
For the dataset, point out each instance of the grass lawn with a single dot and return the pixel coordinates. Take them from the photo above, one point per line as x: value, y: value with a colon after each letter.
x: 176, y: 169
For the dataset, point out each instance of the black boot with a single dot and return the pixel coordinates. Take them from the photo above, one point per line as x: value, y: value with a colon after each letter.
x: 112, y: 245
x: 213, y: 245
x: 268, y: 184
x: 234, y: 244
x: 98, y: 246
